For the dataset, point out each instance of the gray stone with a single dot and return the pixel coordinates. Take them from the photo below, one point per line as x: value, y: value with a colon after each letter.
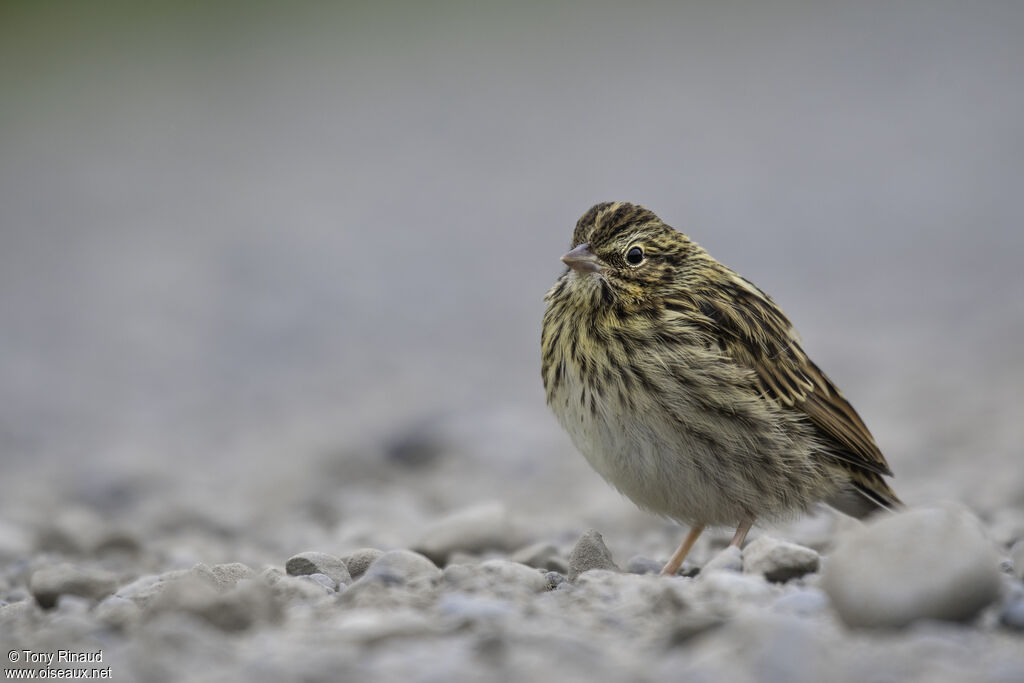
x: 514, y: 573
x: 291, y: 588
x: 778, y: 560
x: 730, y: 559
x: 474, y: 607
x: 398, y: 579
x: 323, y: 580
x: 118, y: 540
x: 730, y: 589
x: 554, y: 580
x: 541, y: 556
x: 117, y: 612
x: 367, y: 626
x: 802, y: 602
x: 473, y: 530
x: 690, y: 623
x: 312, y: 562
x: 248, y: 602
x: 73, y: 530
x: 1005, y: 525
x: 929, y: 563
x: 72, y: 605
x: 402, y: 566
x: 633, y: 596
x: 496, y: 577
x: 231, y: 597
x: 1017, y: 556
x: 358, y: 561
x: 590, y: 552
x: 15, y: 542
x: 48, y: 583
x: 638, y: 564
x: 759, y: 645
x: 227, y: 575
x: 1012, y: 615
x: 144, y: 588
x: 459, y: 557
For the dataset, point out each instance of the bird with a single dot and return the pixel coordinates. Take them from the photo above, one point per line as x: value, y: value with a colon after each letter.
x: 686, y: 387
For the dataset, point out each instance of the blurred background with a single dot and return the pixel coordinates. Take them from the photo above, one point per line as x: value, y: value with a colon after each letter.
x: 283, y: 264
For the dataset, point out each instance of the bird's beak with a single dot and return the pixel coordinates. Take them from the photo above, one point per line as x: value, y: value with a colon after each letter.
x: 582, y: 260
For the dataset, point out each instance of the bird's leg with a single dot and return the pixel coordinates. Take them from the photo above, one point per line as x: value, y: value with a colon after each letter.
x: 676, y: 561
x: 741, y: 531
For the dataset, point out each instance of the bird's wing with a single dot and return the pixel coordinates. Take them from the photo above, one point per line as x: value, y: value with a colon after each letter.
x: 754, y: 332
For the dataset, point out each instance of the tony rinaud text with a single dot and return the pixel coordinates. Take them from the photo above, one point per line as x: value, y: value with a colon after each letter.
x: 61, y: 657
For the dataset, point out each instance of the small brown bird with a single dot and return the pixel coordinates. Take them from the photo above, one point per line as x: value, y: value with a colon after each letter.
x: 686, y: 388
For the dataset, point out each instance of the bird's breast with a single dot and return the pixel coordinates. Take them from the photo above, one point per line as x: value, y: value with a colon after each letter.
x: 632, y: 442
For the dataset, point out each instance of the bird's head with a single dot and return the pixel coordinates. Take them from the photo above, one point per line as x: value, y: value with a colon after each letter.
x: 629, y: 248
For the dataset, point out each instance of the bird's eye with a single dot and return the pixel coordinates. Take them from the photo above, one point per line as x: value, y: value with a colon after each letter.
x: 635, y: 255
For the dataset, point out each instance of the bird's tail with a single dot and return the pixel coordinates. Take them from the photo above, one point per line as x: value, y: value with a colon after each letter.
x: 866, y: 494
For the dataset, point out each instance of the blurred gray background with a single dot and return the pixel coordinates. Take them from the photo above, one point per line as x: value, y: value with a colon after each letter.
x: 259, y: 255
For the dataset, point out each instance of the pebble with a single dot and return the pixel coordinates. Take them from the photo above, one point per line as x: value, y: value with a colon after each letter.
x: 730, y: 559
x: 15, y: 541
x: 1006, y: 525
x: 758, y: 645
x: 554, y: 580
x: 248, y: 602
x: 1012, y: 615
x: 367, y: 626
x: 227, y: 575
x: 470, y: 607
x: 358, y: 561
x: 802, y: 602
x: 927, y: 563
x: 497, y: 577
x: 322, y: 580
x: 691, y: 623
x: 144, y: 588
x: 398, y: 579
x: 73, y: 530
x: 312, y: 562
x: 641, y: 564
x: 590, y: 552
x: 49, y: 583
x: 638, y: 564
x: 541, y: 556
x: 287, y: 588
x: 473, y: 529
x: 401, y: 566
x: 117, y: 612
x: 72, y: 605
x: 731, y: 588
x: 778, y: 560
x: 1017, y: 556
x: 637, y: 599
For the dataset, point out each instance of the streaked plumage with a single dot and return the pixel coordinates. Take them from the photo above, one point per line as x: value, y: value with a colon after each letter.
x: 686, y: 387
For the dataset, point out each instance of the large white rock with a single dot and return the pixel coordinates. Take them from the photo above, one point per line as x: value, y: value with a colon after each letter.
x: 929, y: 563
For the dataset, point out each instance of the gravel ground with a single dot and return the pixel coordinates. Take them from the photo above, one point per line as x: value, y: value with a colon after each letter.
x: 270, y: 292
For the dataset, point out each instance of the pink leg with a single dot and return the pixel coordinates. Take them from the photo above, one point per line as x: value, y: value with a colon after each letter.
x: 676, y: 562
x: 741, y: 531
